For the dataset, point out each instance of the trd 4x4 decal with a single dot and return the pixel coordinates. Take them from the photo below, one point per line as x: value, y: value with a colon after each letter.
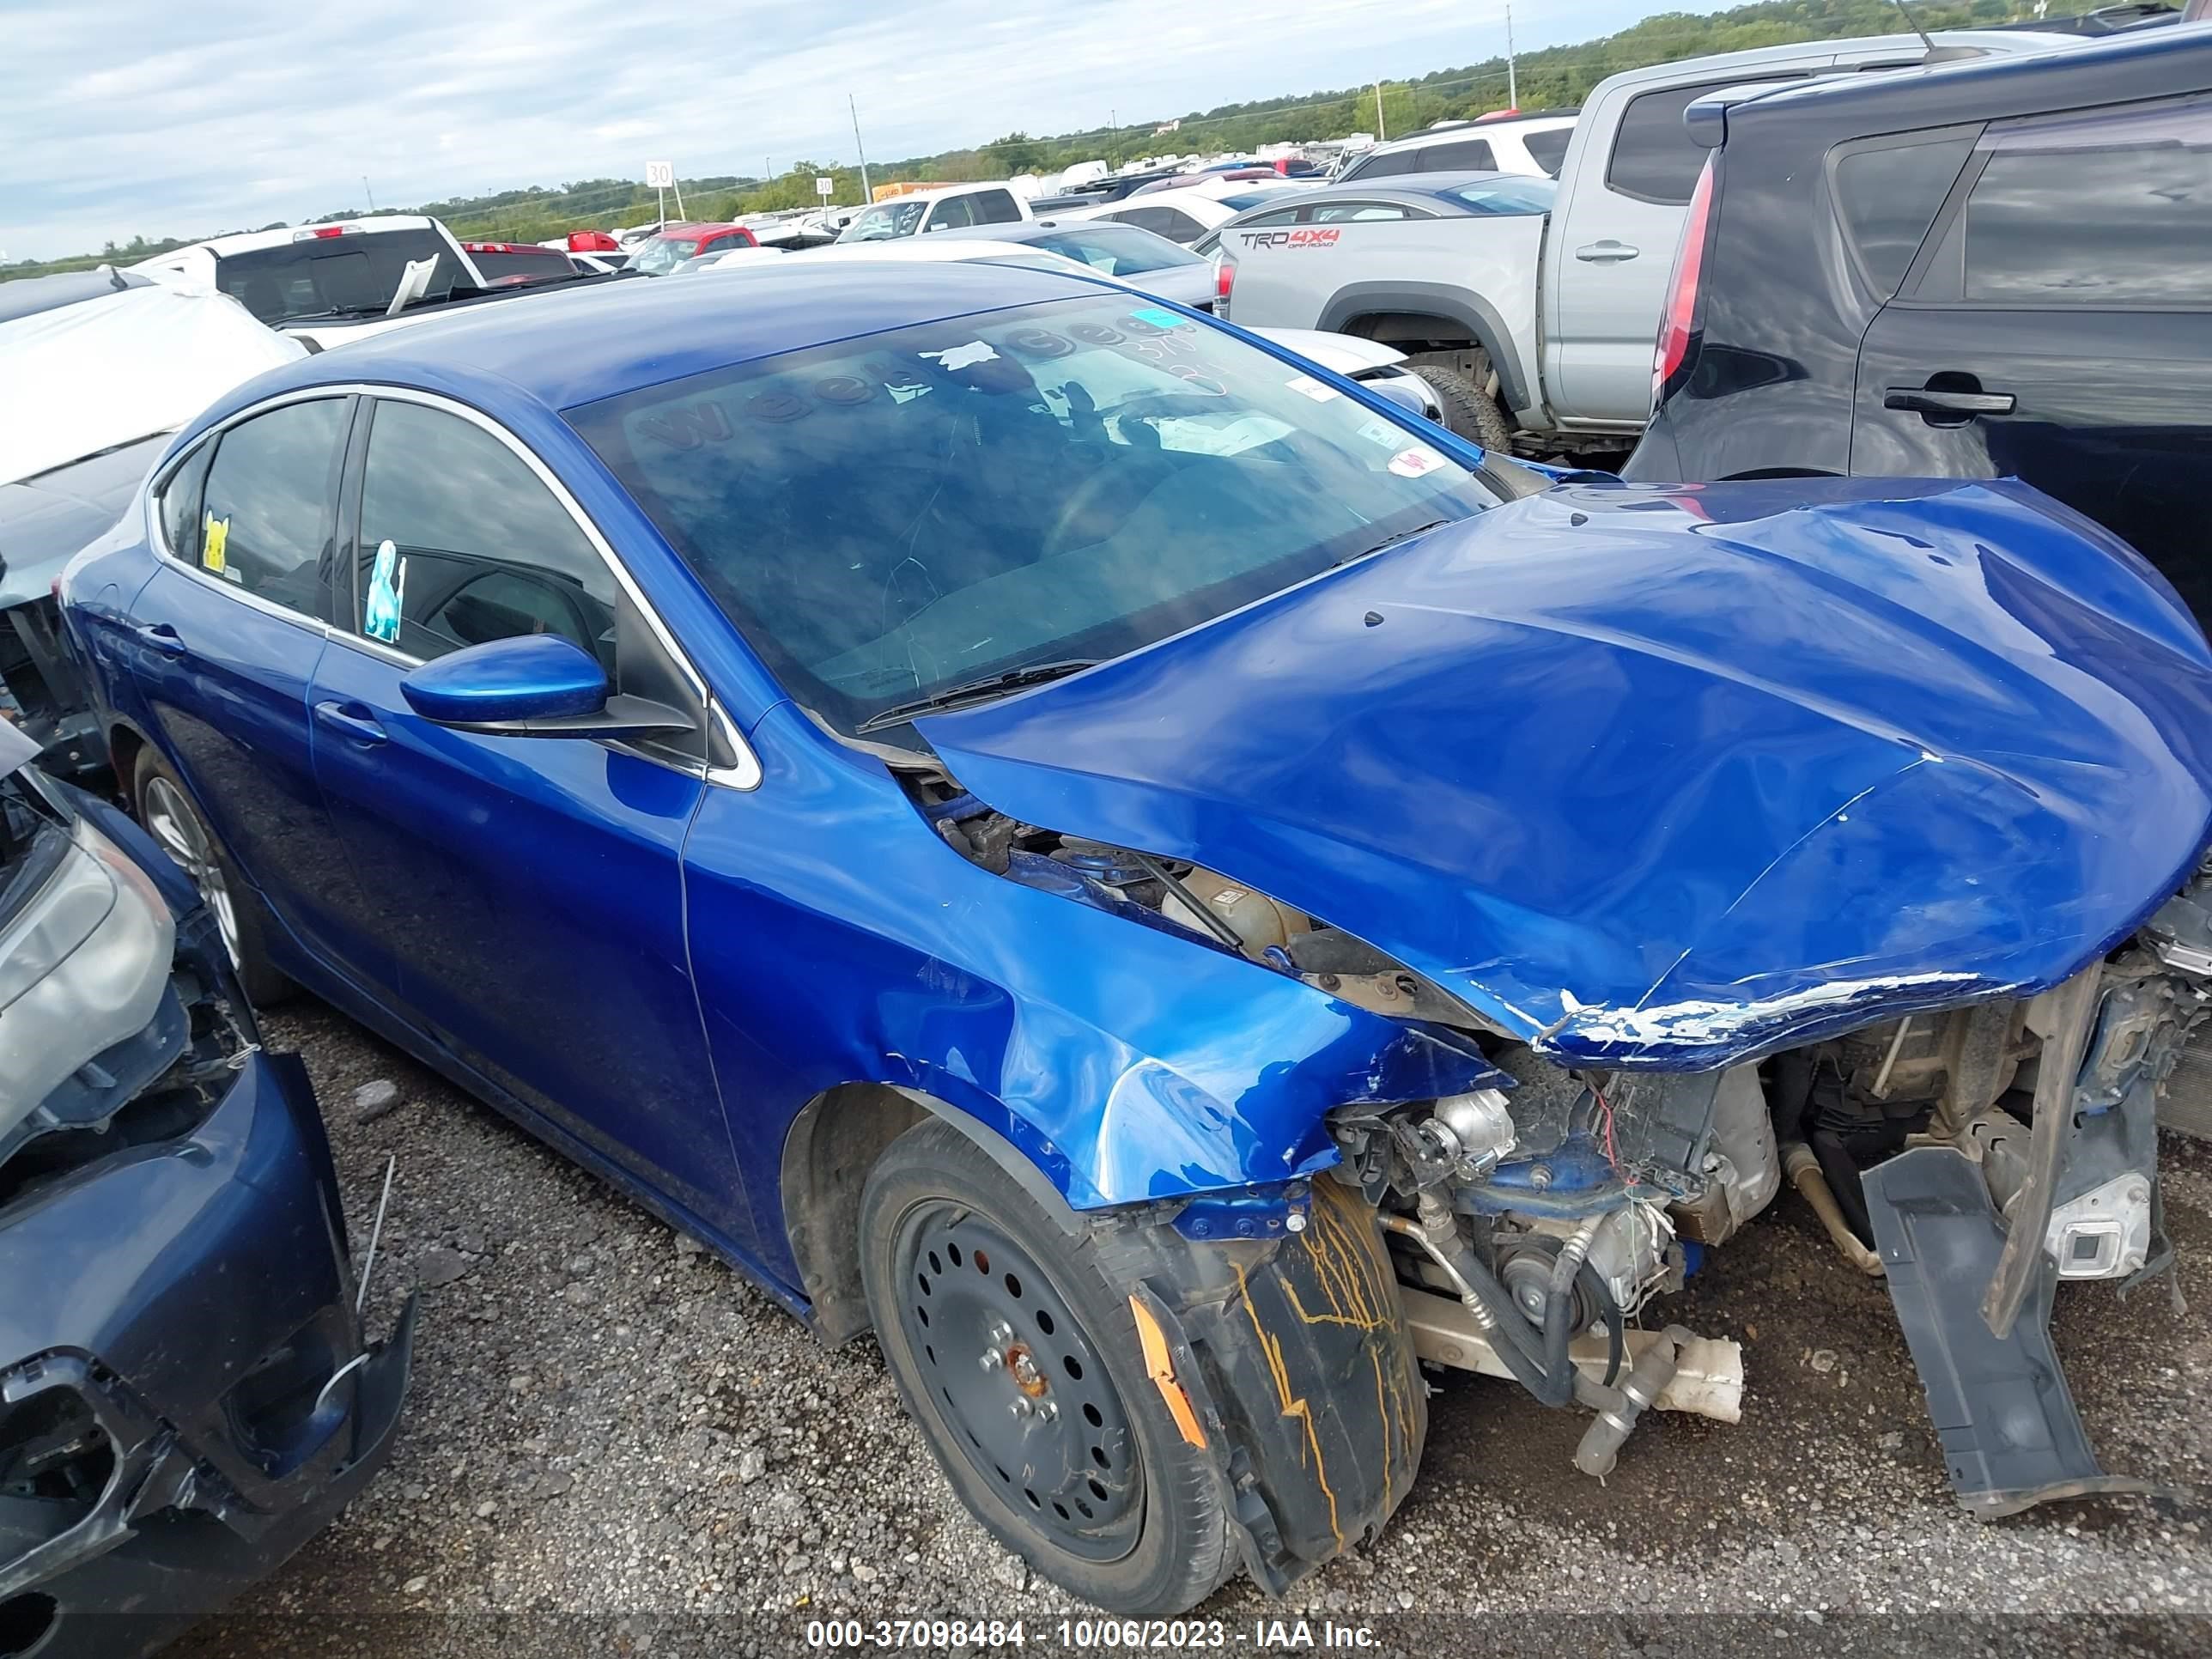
x: 1323, y: 238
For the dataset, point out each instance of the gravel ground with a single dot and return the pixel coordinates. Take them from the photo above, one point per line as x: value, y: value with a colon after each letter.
x: 614, y: 1446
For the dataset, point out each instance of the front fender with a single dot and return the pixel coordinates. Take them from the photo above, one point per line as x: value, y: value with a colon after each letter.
x: 836, y: 940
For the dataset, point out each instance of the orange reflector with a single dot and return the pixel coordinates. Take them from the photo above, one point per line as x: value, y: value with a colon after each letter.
x: 1159, y: 1365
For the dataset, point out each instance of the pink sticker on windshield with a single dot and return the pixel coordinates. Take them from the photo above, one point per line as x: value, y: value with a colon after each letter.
x: 1412, y: 463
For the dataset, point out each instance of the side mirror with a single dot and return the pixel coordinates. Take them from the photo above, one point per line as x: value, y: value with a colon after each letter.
x: 1396, y: 391
x: 533, y: 685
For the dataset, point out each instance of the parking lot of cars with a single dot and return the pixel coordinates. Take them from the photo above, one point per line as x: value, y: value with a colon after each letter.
x: 1107, y: 841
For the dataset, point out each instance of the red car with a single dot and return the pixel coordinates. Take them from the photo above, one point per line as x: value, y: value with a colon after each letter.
x: 658, y: 255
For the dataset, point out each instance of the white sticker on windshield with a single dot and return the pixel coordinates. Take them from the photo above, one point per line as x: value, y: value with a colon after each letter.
x: 1412, y: 463
x: 964, y: 357
x: 1306, y: 386
x: 1377, y: 431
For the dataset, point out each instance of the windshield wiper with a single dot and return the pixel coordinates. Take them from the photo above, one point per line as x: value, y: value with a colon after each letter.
x: 1392, y: 541
x: 991, y: 685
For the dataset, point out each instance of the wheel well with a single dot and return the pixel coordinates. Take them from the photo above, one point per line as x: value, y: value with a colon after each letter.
x: 1411, y: 329
x: 123, y: 747
x: 833, y: 1143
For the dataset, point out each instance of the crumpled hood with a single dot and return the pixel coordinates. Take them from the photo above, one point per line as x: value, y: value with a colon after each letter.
x: 1670, y: 775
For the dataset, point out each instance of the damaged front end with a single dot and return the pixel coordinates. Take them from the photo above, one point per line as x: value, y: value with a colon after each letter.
x: 186, y: 1392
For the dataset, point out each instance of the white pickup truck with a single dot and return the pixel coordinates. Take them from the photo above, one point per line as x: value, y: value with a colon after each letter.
x: 1534, y: 318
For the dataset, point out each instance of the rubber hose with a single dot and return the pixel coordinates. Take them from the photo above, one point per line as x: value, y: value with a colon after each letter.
x: 1616, y: 1339
x: 1601, y: 1442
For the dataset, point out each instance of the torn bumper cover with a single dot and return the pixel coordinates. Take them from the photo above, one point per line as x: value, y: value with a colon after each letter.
x: 185, y: 1396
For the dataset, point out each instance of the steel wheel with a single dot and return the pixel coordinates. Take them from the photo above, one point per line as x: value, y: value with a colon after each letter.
x: 170, y: 819
x: 1021, y: 1383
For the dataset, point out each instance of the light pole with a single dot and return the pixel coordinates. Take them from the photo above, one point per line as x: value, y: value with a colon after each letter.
x: 1513, y: 83
x: 866, y: 195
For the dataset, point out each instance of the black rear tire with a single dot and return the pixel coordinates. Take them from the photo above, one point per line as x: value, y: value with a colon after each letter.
x: 1106, y: 1499
x: 1469, y: 410
x: 167, y: 812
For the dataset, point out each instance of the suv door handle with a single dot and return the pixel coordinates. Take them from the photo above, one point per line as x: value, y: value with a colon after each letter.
x: 1606, y: 253
x: 1959, y: 405
x: 161, y: 637
x: 352, y: 718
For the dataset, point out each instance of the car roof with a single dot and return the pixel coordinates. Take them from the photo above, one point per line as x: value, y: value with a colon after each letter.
x: 1458, y: 131
x: 251, y: 241
x: 1720, y: 64
x: 29, y: 295
x: 577, y: 346
x: 2075, y: 71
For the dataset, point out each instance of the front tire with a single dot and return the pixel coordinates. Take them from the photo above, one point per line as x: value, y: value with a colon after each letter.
x: 1015, y: 1350
x: 169, y: 813
x: 1469, y: 411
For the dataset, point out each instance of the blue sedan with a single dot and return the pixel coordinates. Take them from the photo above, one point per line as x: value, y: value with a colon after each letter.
x: 1042, y: 826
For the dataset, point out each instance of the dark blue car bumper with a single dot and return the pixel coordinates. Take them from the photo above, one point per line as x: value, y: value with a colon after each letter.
x: 184, y: 1394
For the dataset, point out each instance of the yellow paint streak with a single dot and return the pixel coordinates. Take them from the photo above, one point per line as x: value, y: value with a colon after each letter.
x: 1291, y: 1406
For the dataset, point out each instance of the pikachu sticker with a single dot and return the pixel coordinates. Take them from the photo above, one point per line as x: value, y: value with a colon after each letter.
x: 213, y: 543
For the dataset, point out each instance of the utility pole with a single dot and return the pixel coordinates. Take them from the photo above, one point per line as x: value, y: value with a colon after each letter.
x: 367, y: 192
x: 1512, y: 82
x: 866, y: 194
x: 1380, y: 135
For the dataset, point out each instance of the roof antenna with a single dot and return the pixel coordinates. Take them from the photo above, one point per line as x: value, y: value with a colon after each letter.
x: 1913, y: 23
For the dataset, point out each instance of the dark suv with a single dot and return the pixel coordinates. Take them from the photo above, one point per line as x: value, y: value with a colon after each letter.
x: 1993, y: 268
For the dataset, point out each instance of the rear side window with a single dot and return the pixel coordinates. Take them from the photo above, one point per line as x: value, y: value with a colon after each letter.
x: 1549, y: 149
x: 266, y: 522
x: 181, y: 505
x: 1653, y: 158
x: 1345, y: 213
x: 995, y: 207
x: 1177, y: 226
x: 1387, y: 165
x: 1461, y: 155
x: 2107, y: 210
x: 1889, y: 196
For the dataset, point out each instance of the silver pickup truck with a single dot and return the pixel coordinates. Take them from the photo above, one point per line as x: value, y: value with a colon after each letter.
x: 1534, y: 315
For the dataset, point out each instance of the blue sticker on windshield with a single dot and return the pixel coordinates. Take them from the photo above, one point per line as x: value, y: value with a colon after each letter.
x: 1157, y: 318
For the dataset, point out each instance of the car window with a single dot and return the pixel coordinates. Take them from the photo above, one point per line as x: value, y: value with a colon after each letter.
x: 1505, y: 196
x: 1171, y: 222
x: 500, y: 266
x: 1547, y: 148
x: 661, y: 254
x: 1343, y: 213
x: 1653, y: 158
x: 846, y: 505
x: 995, y: 207
x: 316, y: 275
x: 2097, y: 211
x: 883, y: 222
x: 181, y: 505
x: 1889, y: 195
x: 265, y: 516
x: 461, y: 542
x: 1460, y: 156
x: 1287, y: 216
x: 1117, y: 250
x: 951, y: 213
x: 1387, y: 164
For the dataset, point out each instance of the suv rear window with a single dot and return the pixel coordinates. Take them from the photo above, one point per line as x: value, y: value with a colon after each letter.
x: 1548, y: 148
x: 322, y: 275
x: 1653, y: 158
x: 1889, y: 196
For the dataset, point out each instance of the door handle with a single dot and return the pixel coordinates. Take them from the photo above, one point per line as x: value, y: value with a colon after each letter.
x: 1606, y: 253
x: 352, y: 719
x: 161, y: 637
x: 1959, y: 406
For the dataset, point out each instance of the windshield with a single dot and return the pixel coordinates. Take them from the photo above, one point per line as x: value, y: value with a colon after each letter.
x: 888, y: 517
x: 886, y: 220
x: 1505, y: 194
x: 662, y: 254
x: 1548, y: 148
x: 317, y: 276
x: 1117, y: 250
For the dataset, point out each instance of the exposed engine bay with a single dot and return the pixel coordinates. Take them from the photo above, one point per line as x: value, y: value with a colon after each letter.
x: 1973, y: 1157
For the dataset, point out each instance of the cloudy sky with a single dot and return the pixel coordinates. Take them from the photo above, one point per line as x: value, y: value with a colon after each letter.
x: 128, y: 117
